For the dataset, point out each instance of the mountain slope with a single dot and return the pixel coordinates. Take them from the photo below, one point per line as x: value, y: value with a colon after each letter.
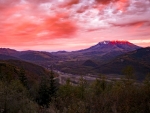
x: 14, y: 67
x: 36, y: 56
x: 138, y: 59
x: 112, y: 45
x: 6, y: 57
x: 101, y: 53
x: 110, y: 49
x: 9, y: 52
x: 90, y: 63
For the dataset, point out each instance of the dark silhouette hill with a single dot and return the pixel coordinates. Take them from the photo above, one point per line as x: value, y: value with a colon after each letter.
x: 138, y: 59
x: 15, y: 67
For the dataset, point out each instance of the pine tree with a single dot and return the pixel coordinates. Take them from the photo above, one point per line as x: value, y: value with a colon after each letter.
x: 52, y: 85
x: 43, y: 98
x: 47, y: 91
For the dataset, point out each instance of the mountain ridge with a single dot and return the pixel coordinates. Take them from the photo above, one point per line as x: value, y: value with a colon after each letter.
x: 105, y: 42
x: 138, y: 59
x: 84, y: 59
x: 113, y: 44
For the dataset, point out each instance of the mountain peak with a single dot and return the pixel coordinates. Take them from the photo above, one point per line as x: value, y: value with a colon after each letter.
x: 104, y: 42
x: 113, y: 46
x: 114, y: 42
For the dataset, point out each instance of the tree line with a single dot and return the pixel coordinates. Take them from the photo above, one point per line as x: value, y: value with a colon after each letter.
x: 100, y: 96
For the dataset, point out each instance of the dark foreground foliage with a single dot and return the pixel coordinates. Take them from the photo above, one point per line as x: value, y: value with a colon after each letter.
x: 100, y: 96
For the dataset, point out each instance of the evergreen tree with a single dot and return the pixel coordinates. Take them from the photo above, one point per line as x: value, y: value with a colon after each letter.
x: 47, y: 90
x: 52, y: 85
x: 43, y: 98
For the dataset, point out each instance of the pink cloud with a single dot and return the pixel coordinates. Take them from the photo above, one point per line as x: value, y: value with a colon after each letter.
x: 18, y: 27
x: 68, y: 3
x: 122, y: 4
x: 105, y: 1
x: 38, y: 1
x: 8, y: 3
x: 38, y: 23
x: 59, y: 26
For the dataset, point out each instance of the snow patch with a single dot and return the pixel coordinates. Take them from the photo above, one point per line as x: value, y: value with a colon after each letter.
x: 105, y: 42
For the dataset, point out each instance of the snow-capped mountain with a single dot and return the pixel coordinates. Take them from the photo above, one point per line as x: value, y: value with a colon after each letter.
x: 113, y: 46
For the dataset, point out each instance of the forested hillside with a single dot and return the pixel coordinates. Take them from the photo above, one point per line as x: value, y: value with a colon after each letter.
x: 47, y: 96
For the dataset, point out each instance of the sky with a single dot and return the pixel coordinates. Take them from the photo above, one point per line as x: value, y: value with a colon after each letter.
x: 53, y: 25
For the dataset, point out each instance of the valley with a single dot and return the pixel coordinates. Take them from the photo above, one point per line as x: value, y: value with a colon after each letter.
x: 107, y: 58
x: 75, y: 79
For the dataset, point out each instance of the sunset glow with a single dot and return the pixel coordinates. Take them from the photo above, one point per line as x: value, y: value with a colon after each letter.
x: 53, y: 25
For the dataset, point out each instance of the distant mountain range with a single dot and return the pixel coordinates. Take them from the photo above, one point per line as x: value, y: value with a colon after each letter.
x: 25, y: 55
x: 102, y: 52
x: 100, y: 58
x: 102, y: 49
